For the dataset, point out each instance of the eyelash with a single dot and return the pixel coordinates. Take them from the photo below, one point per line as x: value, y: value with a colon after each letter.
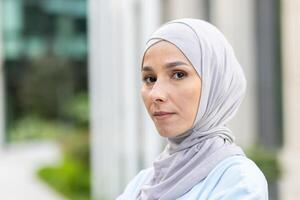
x: 147, y: 77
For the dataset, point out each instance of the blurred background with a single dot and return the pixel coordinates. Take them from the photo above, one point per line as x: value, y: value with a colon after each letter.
x: 72, y: 124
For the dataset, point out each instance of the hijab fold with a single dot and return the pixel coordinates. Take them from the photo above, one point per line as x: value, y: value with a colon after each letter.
x: 191, y: 156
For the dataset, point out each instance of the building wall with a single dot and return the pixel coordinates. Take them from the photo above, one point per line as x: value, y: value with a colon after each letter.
x: 291, y: 97
x: 27, y: 35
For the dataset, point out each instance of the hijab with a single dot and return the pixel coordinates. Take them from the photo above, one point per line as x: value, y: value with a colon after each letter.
x: 191, y: 156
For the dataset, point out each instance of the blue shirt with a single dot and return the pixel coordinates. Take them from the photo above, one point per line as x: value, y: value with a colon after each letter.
x: 235, y: 178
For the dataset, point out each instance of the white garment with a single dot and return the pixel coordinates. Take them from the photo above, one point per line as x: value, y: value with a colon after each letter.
x: 235, y: 178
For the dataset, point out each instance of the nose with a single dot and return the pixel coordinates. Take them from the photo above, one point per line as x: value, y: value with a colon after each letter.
x: 158, y: 92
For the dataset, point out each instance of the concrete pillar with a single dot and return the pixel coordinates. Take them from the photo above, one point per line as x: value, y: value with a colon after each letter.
x: 268, y: 74
x: 291, y: 98
x: 152, y: 142
x: 129, y: 72
x: 236, y: 19
x: 2, y: 91
x: 105, y: 98
x: 174, y: 9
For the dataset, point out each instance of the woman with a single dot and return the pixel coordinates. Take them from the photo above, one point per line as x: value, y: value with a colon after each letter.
x: 192, y: 86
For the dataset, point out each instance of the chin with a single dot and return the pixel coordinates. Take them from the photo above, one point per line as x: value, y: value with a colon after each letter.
x: 167, y: 132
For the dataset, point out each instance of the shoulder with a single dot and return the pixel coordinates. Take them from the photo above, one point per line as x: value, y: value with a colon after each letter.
x: 238, y: 177
x: 135, y: 184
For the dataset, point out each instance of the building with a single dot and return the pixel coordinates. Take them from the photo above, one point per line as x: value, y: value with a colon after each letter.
x: 51, y: 34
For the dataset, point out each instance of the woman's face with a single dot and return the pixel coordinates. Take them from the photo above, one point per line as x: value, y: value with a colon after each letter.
x: 171, y: 89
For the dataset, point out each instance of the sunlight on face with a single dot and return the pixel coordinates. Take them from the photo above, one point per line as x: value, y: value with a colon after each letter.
x: 171, y: 89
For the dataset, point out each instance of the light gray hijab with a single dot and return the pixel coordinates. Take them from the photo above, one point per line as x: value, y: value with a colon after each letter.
x: 190, y: 157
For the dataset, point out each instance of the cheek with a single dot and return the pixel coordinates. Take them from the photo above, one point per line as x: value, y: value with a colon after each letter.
x: 188, y: 101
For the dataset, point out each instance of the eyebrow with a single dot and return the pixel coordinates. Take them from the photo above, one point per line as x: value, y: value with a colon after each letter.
x: 167, y: 65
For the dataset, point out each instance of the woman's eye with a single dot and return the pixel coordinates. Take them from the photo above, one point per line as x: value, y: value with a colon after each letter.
x: 149, y: 79
x: 179, y: 75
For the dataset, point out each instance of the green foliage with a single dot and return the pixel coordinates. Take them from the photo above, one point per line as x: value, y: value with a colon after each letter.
x: 77, y: 147
x: 77, y: 109
x: 32, y: 127
x: 35, y: 127
x: 267, y: 161
x: 71, y: 179
x: 45, y: 87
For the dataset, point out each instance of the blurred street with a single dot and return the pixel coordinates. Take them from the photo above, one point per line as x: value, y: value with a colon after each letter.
x: 18, y: 166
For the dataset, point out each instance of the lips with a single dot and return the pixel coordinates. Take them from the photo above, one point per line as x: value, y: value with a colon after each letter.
x: 162, y: 114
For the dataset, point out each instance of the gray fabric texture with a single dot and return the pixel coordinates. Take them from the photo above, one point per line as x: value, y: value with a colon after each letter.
x: 190, y: 157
